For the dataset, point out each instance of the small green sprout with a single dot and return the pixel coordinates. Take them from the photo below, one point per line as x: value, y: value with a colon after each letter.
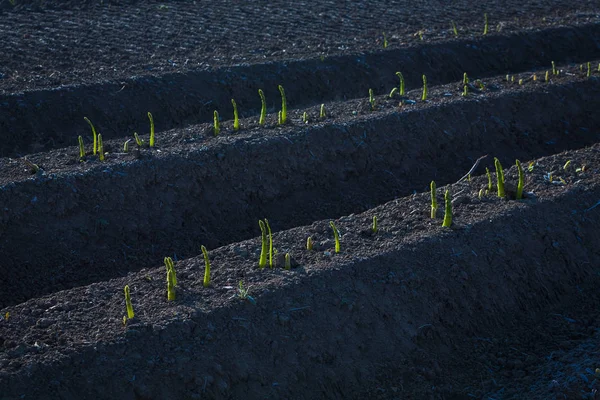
x: 126, y: 146
x: 581, y: 67
x: 401, y: 77
x: 262, y: 261
x: 393, y: 92
x: 465, y: 92
x: 305, y: 117
x: 151, y: 129
x: 433, y: 200
x: 283, y: 106
x: 309, y: 243
x: 531, y: 165
x: 94, y: 136
x: 489, y: 176
x: 424, y: 96
x: 448, y: 211
x: 33, y: 168
x: 236, y: 119
x: 263, y: 109
x: 100, y: 148
x: 171, y: 267
x: 465, y: 79
x: 372, y: 99
x: 206, y: 266
x: 336, y: 236
x: 322, y: 112
x: 124, y: 320
x: 130, y: 313
x: 520, y: 182
x: 243, y: 293
x: 486, y: 25
x: 520, y: 82
x: 270, y: 243
x: 534, y: 76
x: 288, y: 261
x: 499, y: 177
x: 217, y: 124
x: 81, y: 148
x: 6, y: 316
x: 554, y: 71
x: 138, y: 141
x: 374, y: 227
x: 420, y: 33
x: 589, y: 70
x: 170, y: 285
x: 547, y: 77
x: 454, y: 29
x: 567, y: 165
x: 481, y: 193
x: 385, y: 42
x: 507, y: 78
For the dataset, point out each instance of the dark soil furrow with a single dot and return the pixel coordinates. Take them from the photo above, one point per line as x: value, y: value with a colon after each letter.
x: 38, y: 120
x: 402, y: 300
x: 119, y: 217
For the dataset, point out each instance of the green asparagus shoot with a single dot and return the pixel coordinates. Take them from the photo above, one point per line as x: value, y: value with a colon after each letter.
x: 520, y: 82
x: 81, y: 148
x: 433, y: 200
x: 309, y: 243
x: 454, y: 29
x: 372, y: 99
x: 374, y: 227
x: 465, y: 79
x: 170, y: 285
x: 288, y: 261
x: 424, y: 96
x: 206, y: 267
x: 128, y: 305
x: 499, y: 177
x: 465, y: 92
x: 305, y: 117
x: 263, y: 109
x: 448, y: 211
x: 401, y: 77
x: 270, y: 243
x: 126, y: 146
x: 283, y: 106
x: 567, y: 164
x: 485, y: 27
x: 547, y: 78
x: 171, y: 267
x: 336, y: 236
x: 279, y: 121
x: 393, y: 92
x: 520, y: 182
x: 385, y: 42
x: 100, y: 148
x: 262, y: 261
x: 138, y: 141
x: 489, y: 176
x: 217, y: 124
x: 151, y: 129
x: 589, y: 70
x: 236, y: 119
x: 554, y: 71
x: 322, y: 112
x: 94, y: 136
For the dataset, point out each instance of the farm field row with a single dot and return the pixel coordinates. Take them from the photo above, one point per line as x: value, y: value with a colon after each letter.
x: 402, y: 302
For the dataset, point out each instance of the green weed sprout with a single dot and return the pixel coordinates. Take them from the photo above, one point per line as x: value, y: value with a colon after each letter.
x: 520, y: 182
x: 454, y: 29
x: 424, y: 96
x: 126, y: 146
x: 433, y: 201
x: 385, y: 42
x: 589, y: 70
x: 486, y: 25
x: 100, y: 148
x: 171, y: 267
x: 554, y: 71
x: 94, y: 135
x: 322, y: 112
x: 448, y: 211
x: 499, y: 177
x: 262, y: 261
x: 151, y: 129
x: 336, y: 236
x: 263, y: 109
x: 130, y: 313
x: 305, y: 117
x: 401, y: 77
x: 81, y: 148
x: 270, y: 243
x: 236, y: 119
x: 206, y: 266
x: 283, y: 105
x: 288, y: 261
x: 243, y: 293
x: 374, y: 227
x: 489, y: 176
x: 170, y: 285
x: 217, y: 124
x: 309, y: 243
x: 372, y: 99
x: 547, y: 78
